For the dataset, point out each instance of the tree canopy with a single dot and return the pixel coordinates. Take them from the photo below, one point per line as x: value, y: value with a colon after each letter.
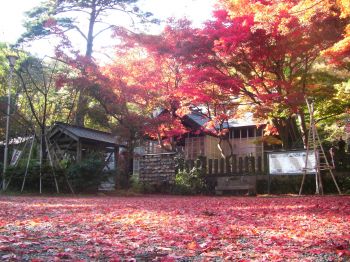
x: 262, y: 57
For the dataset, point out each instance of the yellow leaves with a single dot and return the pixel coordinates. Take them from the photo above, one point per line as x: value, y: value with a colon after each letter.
x: 33, y: 223
x: 271, y: 140
x: 344, y: 6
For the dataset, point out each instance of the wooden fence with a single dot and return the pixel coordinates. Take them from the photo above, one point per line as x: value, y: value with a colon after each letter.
x: 235, y: 165
x: 248, y: 165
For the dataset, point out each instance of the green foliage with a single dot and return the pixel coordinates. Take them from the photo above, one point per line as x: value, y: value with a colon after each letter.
x: 190, y: 182
x: 333, y: 111
x: 291, y: 185
x: 344, y: 183
x: 138, y: 187
x: 179, y: 161
x: 15, y: 175
x: 87, y: 175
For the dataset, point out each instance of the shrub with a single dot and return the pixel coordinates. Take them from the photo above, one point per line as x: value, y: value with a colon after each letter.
x: 87, y: 175
x: 135, y: 185
x: 15, y: 177
x: 190, y: 182
x: 148, y: 188
x: 344, y: 184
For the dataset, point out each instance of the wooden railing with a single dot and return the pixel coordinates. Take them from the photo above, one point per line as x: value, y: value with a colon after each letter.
x: 235, y: 165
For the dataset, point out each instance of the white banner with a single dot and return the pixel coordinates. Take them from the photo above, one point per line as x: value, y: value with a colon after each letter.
x: 15, y: 157
x: 291, y: 163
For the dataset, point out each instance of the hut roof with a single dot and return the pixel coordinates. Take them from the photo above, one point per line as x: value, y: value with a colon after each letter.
x: 77, y: 132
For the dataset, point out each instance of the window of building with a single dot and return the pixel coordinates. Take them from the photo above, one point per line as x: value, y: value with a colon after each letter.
x: 236, y: 133
x: 259, y: 131
x: 251, y: 131
x: 244, y: 133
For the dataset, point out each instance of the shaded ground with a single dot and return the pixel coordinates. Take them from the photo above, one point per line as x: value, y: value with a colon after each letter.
x: 163, y: 228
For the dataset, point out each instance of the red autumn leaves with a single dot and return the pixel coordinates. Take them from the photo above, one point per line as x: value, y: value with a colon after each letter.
x: 162, y: 228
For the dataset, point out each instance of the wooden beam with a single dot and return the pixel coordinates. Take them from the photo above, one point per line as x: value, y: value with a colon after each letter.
x: 79, y: 151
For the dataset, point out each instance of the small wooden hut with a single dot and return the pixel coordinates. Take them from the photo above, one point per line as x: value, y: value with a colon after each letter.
x: 77, y: 142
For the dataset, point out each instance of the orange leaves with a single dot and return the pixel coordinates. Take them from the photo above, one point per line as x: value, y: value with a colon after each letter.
x: 192, y: 245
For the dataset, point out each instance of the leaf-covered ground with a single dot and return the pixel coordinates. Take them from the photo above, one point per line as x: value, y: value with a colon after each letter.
x: 163, y: 228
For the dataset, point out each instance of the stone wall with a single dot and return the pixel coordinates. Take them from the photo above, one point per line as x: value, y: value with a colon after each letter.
x: 157, y: 168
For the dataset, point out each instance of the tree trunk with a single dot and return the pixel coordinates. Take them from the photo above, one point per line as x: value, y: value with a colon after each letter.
x: 82, y: 104
x: 81, y: 109
x: 288, y: 132
x: 303, y: 127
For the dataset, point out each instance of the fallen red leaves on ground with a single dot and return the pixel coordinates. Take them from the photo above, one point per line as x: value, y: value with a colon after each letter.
x: 165, y: 228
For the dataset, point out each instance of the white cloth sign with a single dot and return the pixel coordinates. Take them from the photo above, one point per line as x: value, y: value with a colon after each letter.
x: 291, y: 163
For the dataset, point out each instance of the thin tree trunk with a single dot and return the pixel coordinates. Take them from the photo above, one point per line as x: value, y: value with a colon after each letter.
x: 303, y: 127
x: 82, y: 96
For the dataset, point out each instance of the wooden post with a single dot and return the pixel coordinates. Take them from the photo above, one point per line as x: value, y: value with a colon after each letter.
x: 51, y: 163
x: 234, y: 164
x: 228, y: 166
x: 79, y: 151
x: 240, y: 165
x: 222, y: 166
x: 204, y: 165
x: 246, y: 164
x: 28, y: 161
x: 116, y: 154
x: 210, y: 167
x: 259, y: 169
x: 116, y: 167
x: 216, y: 167
x: 252, y: 164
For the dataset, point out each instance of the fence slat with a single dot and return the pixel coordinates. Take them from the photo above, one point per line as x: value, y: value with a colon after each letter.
x: 222, y: 166
x: 259, y: 165
x: 234, y: 164
x: 210, y: 167
x: 228, y: 165
x: 204, y: 166
x: 191, y: 162
x: 240, y: 165
x: 252, y: 165
x: 216, y: 166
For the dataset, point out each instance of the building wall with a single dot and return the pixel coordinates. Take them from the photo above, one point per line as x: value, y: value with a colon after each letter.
x: 245, y: 141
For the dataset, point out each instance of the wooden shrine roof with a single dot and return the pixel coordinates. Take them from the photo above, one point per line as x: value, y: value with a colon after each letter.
x: 77, y: 132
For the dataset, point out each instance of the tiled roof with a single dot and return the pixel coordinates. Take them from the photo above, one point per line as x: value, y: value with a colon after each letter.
x: 87, y: 133
x: 201, y: 119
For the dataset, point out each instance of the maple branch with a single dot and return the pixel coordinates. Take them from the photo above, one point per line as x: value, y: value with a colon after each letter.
x: 105, y: 29
x: 51, y: 78
x: 32, y: 80
x: 307, y: 8
x: 27, y: 124
x: 80, y: 32
x: 252, y: 67
x: 329, y: 116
